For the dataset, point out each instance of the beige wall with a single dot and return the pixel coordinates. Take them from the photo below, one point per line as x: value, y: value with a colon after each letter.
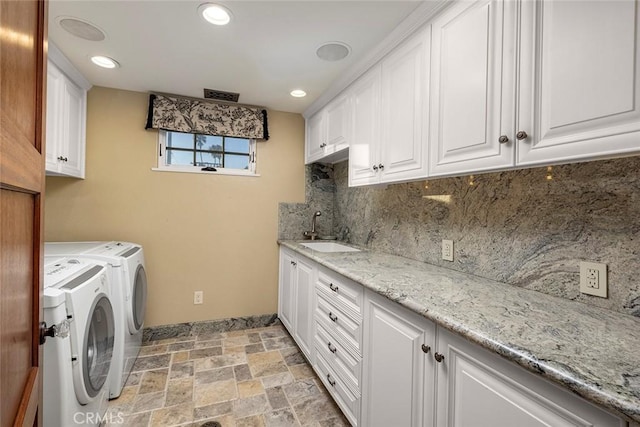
x: 200, y: 232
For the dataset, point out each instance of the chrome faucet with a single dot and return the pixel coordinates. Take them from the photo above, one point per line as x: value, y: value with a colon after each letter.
x: 313, y: 233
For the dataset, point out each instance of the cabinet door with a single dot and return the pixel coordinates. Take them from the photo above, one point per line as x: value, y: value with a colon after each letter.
x: 337, y: 124
x: 480, y: 389
x: 71, y: 146
x: 365, y: 134
x: 55, y: 83
x: 579, y: 80
x: 404, y: 118
x: 472, y: 92
x: 303, y: 307
x: 315, y: 137
x: 396, y: 369
x: 286, y: 292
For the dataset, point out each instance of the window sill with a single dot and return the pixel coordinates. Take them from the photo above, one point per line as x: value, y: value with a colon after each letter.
x: 229, y: 172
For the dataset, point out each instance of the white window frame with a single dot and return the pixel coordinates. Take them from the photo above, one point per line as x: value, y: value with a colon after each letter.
x: 163, y: 167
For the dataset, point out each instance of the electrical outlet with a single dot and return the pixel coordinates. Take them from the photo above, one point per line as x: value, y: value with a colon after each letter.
x: 447, y: 250
x: 198, y: 297
x: 593, y: 279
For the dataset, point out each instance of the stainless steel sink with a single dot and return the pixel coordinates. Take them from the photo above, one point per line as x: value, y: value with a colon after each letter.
x: 329, y: 247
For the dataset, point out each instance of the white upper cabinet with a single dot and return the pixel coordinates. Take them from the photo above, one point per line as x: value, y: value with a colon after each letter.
x: 66, y: 117
x: 327, y: 133
x: 389, y: 106
x: 579, y: 91
x: 365, y: 132
x: 404, y: 121
x: 472, y: 88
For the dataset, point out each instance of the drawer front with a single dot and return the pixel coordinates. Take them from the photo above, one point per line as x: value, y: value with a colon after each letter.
x: 341, y: 291
x: 346, y: 400
x: 339, y: 324
x: 341, y: 360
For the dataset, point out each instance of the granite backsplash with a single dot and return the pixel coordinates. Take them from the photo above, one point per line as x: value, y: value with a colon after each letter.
x: 517, y: 227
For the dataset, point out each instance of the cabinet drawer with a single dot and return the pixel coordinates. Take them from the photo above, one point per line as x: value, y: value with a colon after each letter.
x: 341, y: 291
x: 346, y: 400
x: 339, y: 323
x: 341, y: 360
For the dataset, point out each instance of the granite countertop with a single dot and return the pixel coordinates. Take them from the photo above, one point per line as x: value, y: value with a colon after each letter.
x: 591, y: 351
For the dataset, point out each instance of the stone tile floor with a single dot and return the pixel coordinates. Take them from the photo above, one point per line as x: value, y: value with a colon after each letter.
x: 254, y: 377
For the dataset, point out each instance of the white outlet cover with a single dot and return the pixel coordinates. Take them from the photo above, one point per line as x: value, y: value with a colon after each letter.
x: 601, y: 290
x: 447, y: 250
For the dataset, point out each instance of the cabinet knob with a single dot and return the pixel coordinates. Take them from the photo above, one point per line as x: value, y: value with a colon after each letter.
x: 332, y: 382
x: 521, y: 135
x: 332, y: 349
x: 426, y: 349
x: 323, y: 145
x: 381, y: 166
x: 503, y: 139
x: 333, y: 287
x: 333, y: 317
x: 439, y: 357
x: 375, y: 168
x: 294, y: 263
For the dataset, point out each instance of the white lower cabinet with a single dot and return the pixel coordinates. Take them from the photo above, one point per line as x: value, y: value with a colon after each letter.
x: 397, y: 365
x: 385, y: 365
x: 295, y: 297
x: 478, y: 388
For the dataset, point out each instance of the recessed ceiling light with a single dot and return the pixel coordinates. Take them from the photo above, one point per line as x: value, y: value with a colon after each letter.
x: 333, y: 51
x: 298, y: 93
x: 80, y: 28
x: 214, y: 13
x: 104, y: 61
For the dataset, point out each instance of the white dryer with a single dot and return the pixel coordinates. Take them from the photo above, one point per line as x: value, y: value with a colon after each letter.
x: 77, y: 360
x: 129, y: 288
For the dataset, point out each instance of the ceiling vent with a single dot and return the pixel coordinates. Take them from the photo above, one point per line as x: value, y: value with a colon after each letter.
x: 221, y: 95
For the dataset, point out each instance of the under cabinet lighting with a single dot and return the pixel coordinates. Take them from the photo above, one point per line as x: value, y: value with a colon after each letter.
x: 215, y: 13
x: 104, y: 61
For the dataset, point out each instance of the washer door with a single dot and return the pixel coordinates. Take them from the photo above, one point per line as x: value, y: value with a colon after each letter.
x: 138, y: 300
x: 97, y: 348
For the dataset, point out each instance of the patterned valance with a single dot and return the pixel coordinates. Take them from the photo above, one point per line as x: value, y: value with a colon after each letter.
x: 205, y: 117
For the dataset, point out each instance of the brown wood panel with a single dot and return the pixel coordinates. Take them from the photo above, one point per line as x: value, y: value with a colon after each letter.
x: 16, y: 251
x: 20, y: 50
x: 23, y: 53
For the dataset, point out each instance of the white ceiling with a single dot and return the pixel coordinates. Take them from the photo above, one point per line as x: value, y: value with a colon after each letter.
x: 266, y: 51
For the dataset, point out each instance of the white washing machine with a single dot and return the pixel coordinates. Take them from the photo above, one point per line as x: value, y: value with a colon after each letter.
x: 77, y: 359
x: 129, y: 289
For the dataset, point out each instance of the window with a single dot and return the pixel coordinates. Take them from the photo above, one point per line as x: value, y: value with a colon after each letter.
x: 186, y: 152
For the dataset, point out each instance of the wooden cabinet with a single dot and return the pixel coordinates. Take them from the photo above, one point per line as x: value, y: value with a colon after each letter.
x: 579, y: 93
x: 479, y: 388
x: 472, y: 88
x: 66, y: 117
x: 398, y: 367
x: 327, y: 132
x: 389, y: 106
x: 295, y: 298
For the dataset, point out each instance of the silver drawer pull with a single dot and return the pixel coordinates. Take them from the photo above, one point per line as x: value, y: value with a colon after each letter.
x: 333, y: 317
x: 333, y: 287
x: 332, y: 349
x: 332, y: 383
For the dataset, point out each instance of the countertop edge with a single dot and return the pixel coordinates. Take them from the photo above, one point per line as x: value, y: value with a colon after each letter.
x: 587, y: 390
